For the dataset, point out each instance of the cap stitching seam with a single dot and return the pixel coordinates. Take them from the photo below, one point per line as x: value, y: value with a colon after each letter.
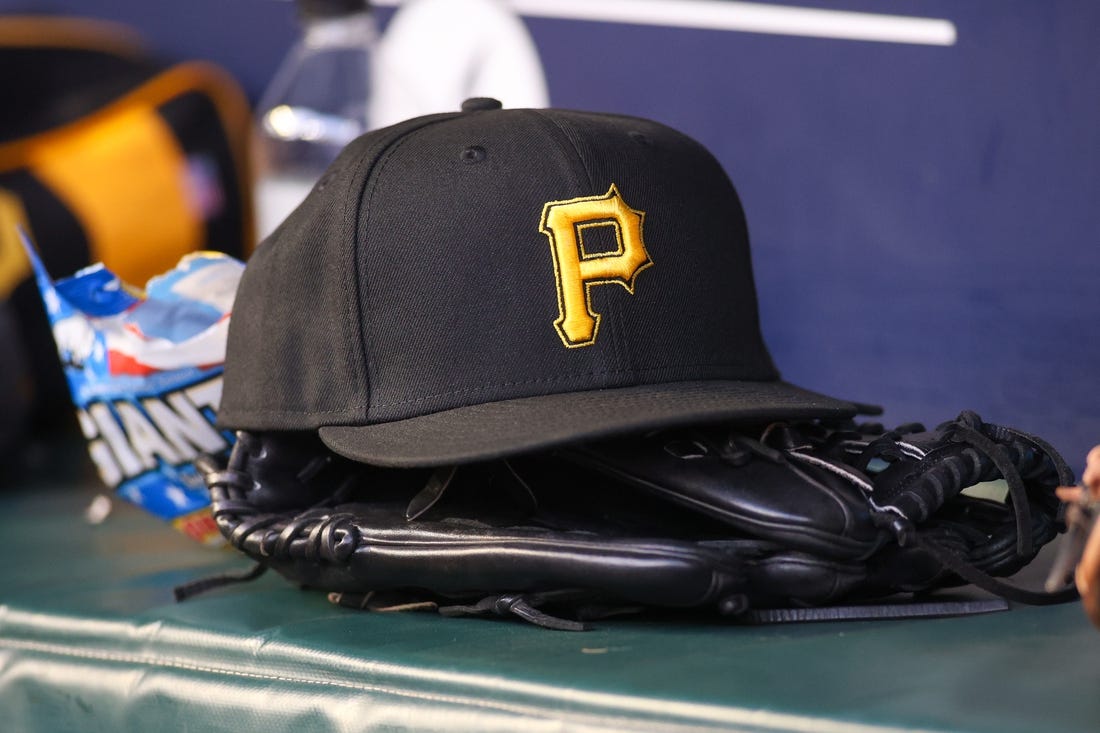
x: 576, y: 151
x: 538, y: 381
x: 366, y: 314
x: 352, y: 212
x: 367, y: 320
x: 353, y: 282
x: 621, y: 358
x: 482, y: 388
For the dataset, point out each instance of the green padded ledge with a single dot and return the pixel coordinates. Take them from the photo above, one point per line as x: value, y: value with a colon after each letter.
x: 91, y: 640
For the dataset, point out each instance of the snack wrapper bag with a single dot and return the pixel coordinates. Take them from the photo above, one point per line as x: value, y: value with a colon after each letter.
x: 145, y: 373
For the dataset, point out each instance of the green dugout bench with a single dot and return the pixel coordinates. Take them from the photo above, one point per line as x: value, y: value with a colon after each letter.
x: 91, y: 640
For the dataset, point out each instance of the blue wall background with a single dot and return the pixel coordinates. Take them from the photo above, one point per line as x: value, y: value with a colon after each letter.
x: 924, y: 219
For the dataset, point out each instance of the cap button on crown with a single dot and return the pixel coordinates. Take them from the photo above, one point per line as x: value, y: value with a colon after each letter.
x: 478, y: 104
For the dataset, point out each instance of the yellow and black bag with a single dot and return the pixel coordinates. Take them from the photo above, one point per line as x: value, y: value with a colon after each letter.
x: 108, y: 155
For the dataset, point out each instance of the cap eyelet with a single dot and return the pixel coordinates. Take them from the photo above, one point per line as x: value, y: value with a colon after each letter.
x: 638, y: 137
x: 473, y: 154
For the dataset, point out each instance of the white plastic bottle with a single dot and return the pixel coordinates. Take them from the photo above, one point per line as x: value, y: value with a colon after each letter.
x: 317, y: 102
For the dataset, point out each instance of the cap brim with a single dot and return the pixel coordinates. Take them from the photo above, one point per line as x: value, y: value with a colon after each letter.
x: 508, y: 427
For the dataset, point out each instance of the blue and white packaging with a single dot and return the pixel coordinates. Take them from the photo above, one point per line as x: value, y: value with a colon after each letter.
x: 145, y: 372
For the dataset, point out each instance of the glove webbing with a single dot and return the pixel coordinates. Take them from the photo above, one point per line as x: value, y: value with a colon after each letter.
x: 935, y: 479
x: 990, y: 440
x: 938, y: 476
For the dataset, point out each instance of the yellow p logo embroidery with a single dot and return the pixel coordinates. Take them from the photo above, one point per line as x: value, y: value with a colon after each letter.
x: 564, y: 223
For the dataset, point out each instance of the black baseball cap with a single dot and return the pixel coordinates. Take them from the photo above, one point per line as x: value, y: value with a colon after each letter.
x: 465, y: 286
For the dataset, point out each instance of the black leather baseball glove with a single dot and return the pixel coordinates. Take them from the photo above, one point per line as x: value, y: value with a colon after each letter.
x: 772, y: 522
